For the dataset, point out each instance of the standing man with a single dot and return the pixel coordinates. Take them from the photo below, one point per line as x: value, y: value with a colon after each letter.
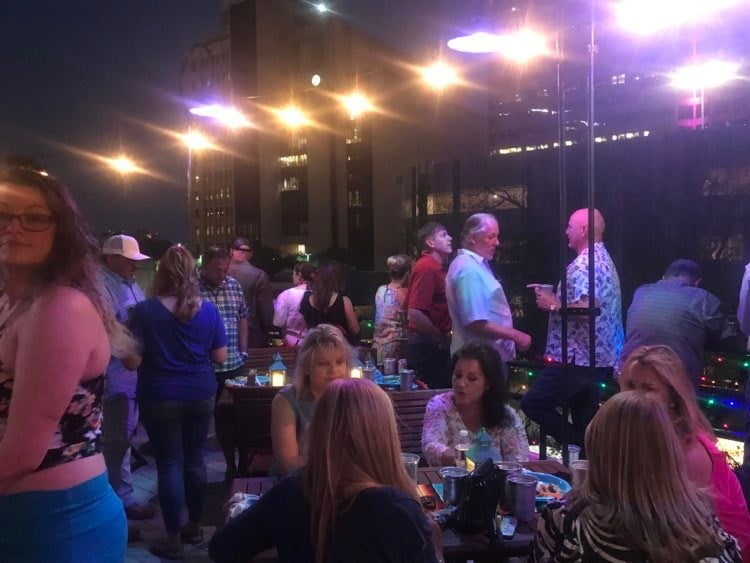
x: 225, y: 292
x: 674, y: 311
x: 429, y: 322
x: 581, y: 390
x: 257, y: 289
x: 120, y: 411
x: 478, y: 307
x: 743, y: 316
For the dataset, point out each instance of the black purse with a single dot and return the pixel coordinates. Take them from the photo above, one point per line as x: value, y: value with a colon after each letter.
x: 478, y: 506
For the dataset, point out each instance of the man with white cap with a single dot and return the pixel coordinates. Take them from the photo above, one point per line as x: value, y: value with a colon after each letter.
x: 120, y: 412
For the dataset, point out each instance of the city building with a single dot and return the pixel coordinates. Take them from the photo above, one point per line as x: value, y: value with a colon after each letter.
x: 338, y: 125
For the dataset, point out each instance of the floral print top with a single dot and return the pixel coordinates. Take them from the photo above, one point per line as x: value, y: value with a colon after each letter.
x: 79, y: 430
x: 609, y: 331
x: 442, y: 424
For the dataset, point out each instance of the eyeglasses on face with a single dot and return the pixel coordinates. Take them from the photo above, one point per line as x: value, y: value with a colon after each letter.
x: 35, y: 222
x: 243, y: 249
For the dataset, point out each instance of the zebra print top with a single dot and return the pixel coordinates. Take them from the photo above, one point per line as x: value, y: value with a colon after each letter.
x: 562, y: 538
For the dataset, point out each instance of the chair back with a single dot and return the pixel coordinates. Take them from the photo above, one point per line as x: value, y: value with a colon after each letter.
x: 410, y: 407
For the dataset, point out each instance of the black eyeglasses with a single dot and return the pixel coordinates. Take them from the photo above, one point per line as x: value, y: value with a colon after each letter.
x: 243, y: 249
x: 36, y: 222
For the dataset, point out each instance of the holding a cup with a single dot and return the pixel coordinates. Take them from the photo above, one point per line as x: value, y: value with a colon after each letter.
x: 545, y: 296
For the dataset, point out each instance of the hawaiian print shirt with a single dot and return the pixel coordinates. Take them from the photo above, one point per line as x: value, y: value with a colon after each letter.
x: 609, y: 332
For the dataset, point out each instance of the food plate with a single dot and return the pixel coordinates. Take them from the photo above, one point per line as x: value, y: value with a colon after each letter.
x: 545, y: 480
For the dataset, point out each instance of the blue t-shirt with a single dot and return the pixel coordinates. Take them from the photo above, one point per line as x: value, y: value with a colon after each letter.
x: 176, y: 365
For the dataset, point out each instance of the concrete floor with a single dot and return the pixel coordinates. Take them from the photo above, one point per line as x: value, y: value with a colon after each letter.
x: 152, y: 530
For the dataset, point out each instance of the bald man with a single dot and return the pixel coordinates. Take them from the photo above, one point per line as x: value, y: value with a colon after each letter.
x: 581, y: 391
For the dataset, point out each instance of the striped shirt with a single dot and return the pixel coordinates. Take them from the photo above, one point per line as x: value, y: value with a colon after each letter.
x: 230, y: 301
x: 562, y: 537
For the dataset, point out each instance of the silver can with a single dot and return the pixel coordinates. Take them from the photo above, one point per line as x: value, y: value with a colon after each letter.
x: 453, y: 484
x: 389, y: 366
x: 522, y: 495
x: 506, y: 469
x: 407, y: 379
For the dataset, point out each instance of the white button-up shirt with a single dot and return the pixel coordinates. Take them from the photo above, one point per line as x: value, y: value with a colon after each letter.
x: 474, y: 294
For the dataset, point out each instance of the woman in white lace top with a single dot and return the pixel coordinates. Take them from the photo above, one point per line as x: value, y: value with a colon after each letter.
x: 479, y: 399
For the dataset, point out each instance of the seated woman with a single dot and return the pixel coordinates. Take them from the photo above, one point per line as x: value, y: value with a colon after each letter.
x: 324, y: 355
x: 353, y: 501
x: 326, y: 304
x: 637, y: 502
x: 390, y: 337
x: 479, y: 399
x: 658, y: 372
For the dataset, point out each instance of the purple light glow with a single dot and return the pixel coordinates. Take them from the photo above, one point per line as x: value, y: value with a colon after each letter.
x: 520, y: 46
x: 646, y: 17
x: 228, y: 116
x: 705, y: 75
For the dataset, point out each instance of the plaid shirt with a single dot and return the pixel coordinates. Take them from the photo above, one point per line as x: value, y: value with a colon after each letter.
x: 230, y: 302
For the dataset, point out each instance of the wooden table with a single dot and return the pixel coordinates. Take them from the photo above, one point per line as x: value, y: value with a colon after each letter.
x: 468, y: 546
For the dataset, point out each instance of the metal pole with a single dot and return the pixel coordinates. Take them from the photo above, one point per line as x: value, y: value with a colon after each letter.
x: 563, y: 196
x: 591, y: 193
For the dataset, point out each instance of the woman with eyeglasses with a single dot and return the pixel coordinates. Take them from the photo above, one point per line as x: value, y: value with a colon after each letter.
x: 182, y: 335
x: 56, y: 336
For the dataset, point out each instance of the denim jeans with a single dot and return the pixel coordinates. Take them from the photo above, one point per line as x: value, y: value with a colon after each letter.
x: 178, y: 431
x: 580, y: 392
x: 119, y: 422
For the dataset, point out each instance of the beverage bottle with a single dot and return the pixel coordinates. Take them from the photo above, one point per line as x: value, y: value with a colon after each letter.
x: 464, y: 443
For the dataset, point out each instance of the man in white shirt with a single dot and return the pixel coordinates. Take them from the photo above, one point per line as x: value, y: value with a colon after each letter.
x: 478, y: 307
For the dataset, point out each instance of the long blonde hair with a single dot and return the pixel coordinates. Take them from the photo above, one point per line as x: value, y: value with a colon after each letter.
x: 177, y: 276
x: 322, y: 336
x: 355, y: 447
x: 683, y: 403
x: 637, y: 486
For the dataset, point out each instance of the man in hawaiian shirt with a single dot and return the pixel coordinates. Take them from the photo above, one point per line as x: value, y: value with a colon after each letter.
x: 580, y: 389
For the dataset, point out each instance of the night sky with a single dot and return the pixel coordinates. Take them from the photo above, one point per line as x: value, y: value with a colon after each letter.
x: 87, y: 75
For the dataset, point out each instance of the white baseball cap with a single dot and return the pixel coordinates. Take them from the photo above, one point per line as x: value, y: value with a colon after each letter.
x: 123, y: 245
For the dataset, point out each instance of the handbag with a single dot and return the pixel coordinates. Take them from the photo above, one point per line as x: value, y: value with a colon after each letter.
x: 478, y: 506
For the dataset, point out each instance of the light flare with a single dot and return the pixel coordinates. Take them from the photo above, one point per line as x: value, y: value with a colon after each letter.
x: 647, y: 17
x: 439, y: 75
x: 705, y: 75
x: 226, y: 115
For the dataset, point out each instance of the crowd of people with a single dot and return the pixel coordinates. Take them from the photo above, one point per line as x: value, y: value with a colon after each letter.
x: 85, y: 356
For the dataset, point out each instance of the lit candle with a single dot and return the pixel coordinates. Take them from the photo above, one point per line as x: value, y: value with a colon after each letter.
x: 356, y: 373
x: 278, y: 378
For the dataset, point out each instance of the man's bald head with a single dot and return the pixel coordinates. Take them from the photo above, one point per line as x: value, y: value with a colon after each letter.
x: 577, y: 230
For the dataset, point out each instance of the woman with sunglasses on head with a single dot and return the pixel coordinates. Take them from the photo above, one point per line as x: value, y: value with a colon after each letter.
x: 637, y: 502
x: 56, y: 336
x: 657, y: 372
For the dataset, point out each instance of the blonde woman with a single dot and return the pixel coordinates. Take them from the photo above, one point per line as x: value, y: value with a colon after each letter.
x: 390, y: 336
x: 56, y: 334
x: 656, y: 371
x: 637, y: 503
x: 324, y: 355
x: 182, y: 335
x: 353, y: 501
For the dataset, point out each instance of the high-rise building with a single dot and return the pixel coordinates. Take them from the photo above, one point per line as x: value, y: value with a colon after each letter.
x: 337, y: 123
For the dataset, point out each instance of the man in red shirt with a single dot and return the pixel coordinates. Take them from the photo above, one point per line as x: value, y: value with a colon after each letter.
x: 429, y: 321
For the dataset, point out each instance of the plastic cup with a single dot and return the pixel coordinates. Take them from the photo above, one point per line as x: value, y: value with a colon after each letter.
x: 411, y: 462
x: 573, y: 453
x: 369, y: 373
x: 579, y: 469
x: 389, y: 366
x: 543, y: 287
x: 522, y: 495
